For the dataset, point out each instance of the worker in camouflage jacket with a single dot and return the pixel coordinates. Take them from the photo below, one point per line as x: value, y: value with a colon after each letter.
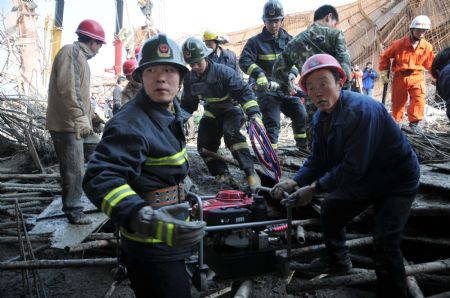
x: 257, y: 60
x: 132, y: 88
x: 322, y: 37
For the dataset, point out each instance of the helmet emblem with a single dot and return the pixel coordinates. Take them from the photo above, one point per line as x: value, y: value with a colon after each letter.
x: 164, y: 50
x: 271, y: 12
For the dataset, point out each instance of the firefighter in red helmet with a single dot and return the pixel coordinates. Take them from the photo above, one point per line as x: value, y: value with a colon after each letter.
x: 69, y: 112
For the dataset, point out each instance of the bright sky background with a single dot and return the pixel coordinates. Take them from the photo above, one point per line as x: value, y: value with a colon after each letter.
x: 177, y: 18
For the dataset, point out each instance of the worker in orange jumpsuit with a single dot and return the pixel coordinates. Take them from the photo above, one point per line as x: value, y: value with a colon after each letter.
x: 411, y: 55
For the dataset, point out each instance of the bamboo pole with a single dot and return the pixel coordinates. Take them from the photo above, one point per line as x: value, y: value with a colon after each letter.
x: 317, y: 248
x: 46, y: 264
x: 14, y: 239
x: 89, y: 245
x: 370, y: 276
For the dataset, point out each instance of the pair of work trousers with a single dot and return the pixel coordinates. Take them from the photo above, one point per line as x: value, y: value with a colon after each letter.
x: 390, y: 216
x: 414, y: 86
x: 272, y: 105
x: 226, y: 123
x: 159, y: 279
x: 69, y: 150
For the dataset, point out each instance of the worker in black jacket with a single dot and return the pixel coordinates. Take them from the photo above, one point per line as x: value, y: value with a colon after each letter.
x: 136, y: 173
x: 257, y: 59
x: 222, y: 90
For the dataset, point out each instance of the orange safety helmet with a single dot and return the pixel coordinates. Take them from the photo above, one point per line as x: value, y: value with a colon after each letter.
x: 129, y: 66
x: 92, y: 29
x: 317, y: 62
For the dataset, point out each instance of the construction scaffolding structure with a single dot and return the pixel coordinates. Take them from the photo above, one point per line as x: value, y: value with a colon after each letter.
x: 369, y: 26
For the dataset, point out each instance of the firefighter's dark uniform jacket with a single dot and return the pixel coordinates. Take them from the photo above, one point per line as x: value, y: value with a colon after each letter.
x: 227, y: 58
x: 142, y: 150
x: 221, y: 89
x: 257, y: 57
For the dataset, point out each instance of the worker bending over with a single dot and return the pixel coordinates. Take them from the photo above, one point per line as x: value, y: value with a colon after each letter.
x: 223, y: 91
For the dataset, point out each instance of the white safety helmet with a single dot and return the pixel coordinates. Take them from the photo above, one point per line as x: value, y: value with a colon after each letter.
x: 421, y: 22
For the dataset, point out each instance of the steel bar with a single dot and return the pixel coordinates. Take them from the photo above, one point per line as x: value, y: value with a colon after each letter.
x: 19, y: 195
x: 45, y: 264
x: 21, y: 205
x: 26, y: 199
x: 29, y: 176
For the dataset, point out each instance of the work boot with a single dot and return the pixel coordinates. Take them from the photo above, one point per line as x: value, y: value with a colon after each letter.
x: 324, y: 265
x: 302, y: 145
x: 253, y: 179
x: 78, y: 219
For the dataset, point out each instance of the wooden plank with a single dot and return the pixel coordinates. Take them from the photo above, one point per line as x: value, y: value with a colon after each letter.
x: 53, y: 221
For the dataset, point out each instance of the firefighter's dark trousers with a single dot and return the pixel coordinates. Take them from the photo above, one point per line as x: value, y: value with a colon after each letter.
x: 390, y: 216
x: 226, y: 123
x: 271, y: 105
x: 159, y: 279
x: 69, y: 150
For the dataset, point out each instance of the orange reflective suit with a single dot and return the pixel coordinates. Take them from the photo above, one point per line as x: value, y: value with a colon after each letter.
x: 408, y: 65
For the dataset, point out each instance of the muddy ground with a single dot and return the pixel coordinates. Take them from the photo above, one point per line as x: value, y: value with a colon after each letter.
x: 95, y: 282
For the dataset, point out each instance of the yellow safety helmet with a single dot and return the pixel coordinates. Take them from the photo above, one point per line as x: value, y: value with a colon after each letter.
x: 210, y: 35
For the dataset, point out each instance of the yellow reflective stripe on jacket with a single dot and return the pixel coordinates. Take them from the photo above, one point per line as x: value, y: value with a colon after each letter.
x: 238, y: 146
x: 251, y: 68
x: 300, y: 136
x: 159, y: 232
x: 268, y: 57
x: 274, y: 146
x: 138, y: 238
x: 208, y: 114
x: 249, y: 104
x: 295, y: 68
x: 216, y: 99
x: 114, y: 197
x: 173, y: 160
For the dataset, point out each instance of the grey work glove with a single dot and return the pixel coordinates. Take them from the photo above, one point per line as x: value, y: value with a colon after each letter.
x: 291, y: 82
x: 86, y: 131
x: 301, y: 197
x: 284, y: 186
x: 162, y: 224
